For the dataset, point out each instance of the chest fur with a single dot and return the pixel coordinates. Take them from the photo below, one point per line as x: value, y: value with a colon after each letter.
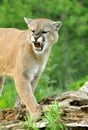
x: 35, y: 70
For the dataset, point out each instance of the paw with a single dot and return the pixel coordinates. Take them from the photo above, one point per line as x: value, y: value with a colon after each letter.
x: 36, y: 114
x: 18, y: 103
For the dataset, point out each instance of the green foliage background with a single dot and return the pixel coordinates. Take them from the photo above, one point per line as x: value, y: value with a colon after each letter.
x: 68, y: 62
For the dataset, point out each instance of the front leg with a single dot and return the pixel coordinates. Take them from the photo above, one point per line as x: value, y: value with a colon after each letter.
x: 1, y: 84
x: 24, y: 90
x: 34, y: 82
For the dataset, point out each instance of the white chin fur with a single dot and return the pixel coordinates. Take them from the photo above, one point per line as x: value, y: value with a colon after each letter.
x: 39, y: 52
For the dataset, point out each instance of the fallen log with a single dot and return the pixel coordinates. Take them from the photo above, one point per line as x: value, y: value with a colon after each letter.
x: 74, y: 108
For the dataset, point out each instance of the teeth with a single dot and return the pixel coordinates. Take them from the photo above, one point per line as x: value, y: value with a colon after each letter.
x: 38, y: 46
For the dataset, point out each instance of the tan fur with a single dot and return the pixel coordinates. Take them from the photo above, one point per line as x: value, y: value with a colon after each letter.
x: 20, y: 59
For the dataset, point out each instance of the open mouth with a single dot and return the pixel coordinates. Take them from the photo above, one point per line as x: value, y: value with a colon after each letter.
x: 38, y: 46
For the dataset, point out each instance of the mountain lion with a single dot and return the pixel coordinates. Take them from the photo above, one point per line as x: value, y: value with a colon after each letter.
x: 23, y: 56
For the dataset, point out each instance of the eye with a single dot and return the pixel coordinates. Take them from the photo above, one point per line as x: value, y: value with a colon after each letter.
x: 44, y: 32
x: 33, y: 31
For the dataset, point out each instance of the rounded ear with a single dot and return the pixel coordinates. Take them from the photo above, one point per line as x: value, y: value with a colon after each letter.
x: 27, y: 20
x: 57, y: 25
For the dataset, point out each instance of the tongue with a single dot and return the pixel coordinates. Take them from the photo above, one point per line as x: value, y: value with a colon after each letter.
x: 38, y: 48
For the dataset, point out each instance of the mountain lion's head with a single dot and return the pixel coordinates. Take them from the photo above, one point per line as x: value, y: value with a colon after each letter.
x: 43, y: 33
